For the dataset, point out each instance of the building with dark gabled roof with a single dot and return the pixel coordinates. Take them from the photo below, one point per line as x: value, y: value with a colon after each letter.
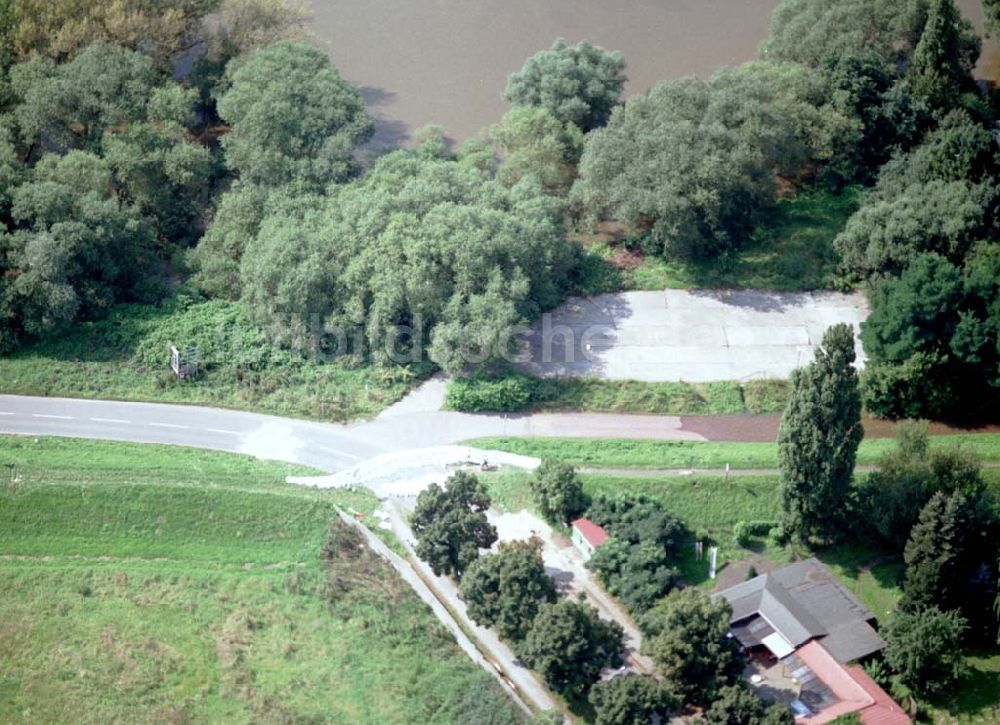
x: 798, y: 603
x: 800, y: 626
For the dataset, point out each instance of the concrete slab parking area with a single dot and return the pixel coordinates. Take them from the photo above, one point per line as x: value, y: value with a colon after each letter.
x: 689, y: 335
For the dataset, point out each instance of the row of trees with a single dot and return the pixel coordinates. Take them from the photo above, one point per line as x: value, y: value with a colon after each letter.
x: 565, y: 641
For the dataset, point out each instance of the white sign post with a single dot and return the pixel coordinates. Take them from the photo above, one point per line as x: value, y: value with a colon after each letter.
x: 713, y: 554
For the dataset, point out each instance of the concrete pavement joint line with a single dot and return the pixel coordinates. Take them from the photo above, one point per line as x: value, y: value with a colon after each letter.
x: 57, y: 417
x: 345, y: 454
x: 111, y: 420
x: 169, y: 425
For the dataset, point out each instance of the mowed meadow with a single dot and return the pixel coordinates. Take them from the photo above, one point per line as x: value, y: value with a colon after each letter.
x: 160, y: 584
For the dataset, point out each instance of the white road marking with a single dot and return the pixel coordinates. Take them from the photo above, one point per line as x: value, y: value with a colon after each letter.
x: 111, y: 420
x: 169, y: 425
x: 3, y: 412
x: 56, y: 417
x: 220, y: 430
x: 339, y: 453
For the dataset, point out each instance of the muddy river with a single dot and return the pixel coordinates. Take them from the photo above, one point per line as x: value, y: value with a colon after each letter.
x: 447, y: 61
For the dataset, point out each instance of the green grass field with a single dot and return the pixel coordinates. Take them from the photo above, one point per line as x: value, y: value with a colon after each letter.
x: 160, y: 584
x: 792, y: 251
x: 126, y: 357
x: 625, y: 453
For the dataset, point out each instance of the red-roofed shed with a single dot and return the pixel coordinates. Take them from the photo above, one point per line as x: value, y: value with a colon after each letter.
x: 587, y: 535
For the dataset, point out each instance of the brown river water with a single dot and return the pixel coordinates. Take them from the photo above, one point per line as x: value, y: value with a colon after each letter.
x: 446, y: 62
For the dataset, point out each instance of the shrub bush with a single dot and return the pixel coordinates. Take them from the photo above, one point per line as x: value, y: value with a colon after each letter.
x: 744, y: 531
x: 480, y: 394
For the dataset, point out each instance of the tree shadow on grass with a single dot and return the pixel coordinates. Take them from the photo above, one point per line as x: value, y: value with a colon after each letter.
x: 976, y: 695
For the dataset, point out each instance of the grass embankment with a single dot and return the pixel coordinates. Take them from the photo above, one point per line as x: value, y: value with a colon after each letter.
x: 157, y: 584
x: 126, y: 357
x: 520, y: 393
x: 625, y: 453
x: 792, y: 251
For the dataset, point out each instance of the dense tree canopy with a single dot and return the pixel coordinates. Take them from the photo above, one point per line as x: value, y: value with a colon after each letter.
x: 74, y: 103
x: 691, y: 164
x: 932, y: 339
x: 76, y: 249
x: 578, y: 84
x: 940, y: 197
x: 638, y: 564
x: 811, y: 31
x: 687, y: 636
x: 819, y: 436
x: 569, y: 645
x: 60, y: 29
x: 432, y: 243
x: 450, y: 524
x: 505, y: 589
x: 292, y: 117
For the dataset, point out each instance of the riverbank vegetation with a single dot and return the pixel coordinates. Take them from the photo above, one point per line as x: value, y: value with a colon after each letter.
x: 128, y: 180
x: 125, y: 356
x: 144, y: 584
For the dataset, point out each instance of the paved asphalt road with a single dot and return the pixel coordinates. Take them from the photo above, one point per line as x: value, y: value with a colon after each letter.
x: 328, y: 447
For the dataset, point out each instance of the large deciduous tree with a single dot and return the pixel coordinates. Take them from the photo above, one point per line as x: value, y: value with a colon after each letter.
x: 505, y: 589
x: 737, y: 705
x: 687, y: 636
x: 630, y: 700
x: 558, y: 491
x: 819, y: 436
x: 533, y: 142
x: 924, y: 649
x: 569, y: 645
x: 73, y: 103
x: 691, y: 164
x: 940, y: 197
x: 292, y: 118
x: 578, y: 84
x: 76, y: 251
x: 893, y: 495
x: 810, y: 31
x: 450, y: 524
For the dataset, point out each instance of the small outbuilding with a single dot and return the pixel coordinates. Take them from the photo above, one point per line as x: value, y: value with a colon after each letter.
x: 587, y: 536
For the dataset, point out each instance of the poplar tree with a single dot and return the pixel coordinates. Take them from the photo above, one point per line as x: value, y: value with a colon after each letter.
x: 819, y: 436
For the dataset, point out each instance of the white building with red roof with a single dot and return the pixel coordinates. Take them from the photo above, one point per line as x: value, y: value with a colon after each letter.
x: 587, y: 536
